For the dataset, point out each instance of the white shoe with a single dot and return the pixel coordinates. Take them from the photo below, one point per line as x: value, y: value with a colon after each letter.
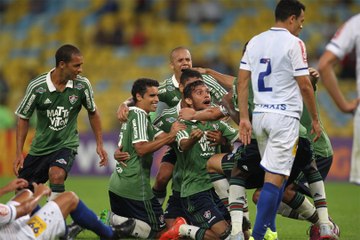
x: 326, y: 232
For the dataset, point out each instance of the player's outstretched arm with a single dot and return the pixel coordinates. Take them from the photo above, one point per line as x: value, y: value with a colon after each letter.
x: 326, y: 68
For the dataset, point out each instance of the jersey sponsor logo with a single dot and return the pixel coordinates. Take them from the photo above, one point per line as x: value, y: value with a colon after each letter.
x: 272, y: 106
x: 206, y: 149
x: 29, y: 103
x: 61, y: 161
x: 4, y: 210
x: 59, y: 118
x: 79, y: 86
x: 37, y: 225
x: 73, y: 98
x: 303, y: 51
x: 40, y: 90
x: 47, y: 101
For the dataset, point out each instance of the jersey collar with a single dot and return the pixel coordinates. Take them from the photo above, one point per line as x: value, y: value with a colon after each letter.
x: 50, y: 84
x: 278, y: 29
x: 140, y: 109
x: 174, y: 81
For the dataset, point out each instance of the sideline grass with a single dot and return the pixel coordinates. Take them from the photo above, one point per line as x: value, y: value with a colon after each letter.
x: 343, y: 203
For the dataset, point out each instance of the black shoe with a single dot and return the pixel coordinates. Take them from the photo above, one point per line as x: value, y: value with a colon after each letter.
x: 73, y: 231
x: 124, y: 229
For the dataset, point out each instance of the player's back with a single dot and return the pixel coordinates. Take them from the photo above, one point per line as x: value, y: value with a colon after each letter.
x: 274, y: 58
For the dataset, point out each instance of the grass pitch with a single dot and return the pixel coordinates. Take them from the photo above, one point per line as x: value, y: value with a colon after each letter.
x: 343, y: 203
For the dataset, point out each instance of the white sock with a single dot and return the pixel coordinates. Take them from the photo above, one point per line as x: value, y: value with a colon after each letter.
x: 53, y: 195
x: 317, y: 190
x: 221, y: 187
x: 237, y: 196
x: 141, y: 230
x: 186, y: 230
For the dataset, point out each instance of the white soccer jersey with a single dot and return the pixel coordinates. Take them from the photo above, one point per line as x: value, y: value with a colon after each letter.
x: 46, y: 224
x: 275, y: 58
x: 345, y: 39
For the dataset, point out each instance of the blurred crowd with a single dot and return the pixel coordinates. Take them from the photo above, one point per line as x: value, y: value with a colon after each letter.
x: 123, y: 40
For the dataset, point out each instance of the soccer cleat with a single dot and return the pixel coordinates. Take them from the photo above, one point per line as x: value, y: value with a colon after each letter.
x: 238, y: 236
x: 335, y: 228
x: 105, y: 217
x: 270, y: 235
x: 314, y: 232
x: 327, y: 232
x: 124, y: 229
x: 173, y: 232
x: 73, y: 231
x: 246, y: 227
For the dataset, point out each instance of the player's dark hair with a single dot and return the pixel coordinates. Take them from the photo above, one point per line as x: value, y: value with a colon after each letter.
x: 65, y: 52
x: 286, y: 8
x: 191, y: 86
x: 140, y: 86
x: 189, y: 73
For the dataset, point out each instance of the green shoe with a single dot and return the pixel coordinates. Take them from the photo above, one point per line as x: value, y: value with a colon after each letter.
x: 105, y: 216
x: 270, y: 235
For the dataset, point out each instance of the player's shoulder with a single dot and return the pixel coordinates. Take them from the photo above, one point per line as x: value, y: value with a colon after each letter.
x: 165, y: 83
x: 38, y: 84
x: 135, y: 111
x: 81, y: 80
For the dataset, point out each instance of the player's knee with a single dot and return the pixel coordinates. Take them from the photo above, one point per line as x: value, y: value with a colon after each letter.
x: 256, y: 195
x: 57, y: 175
x: 71, y: 196
x: 226, y: 233
x: 22, y: 195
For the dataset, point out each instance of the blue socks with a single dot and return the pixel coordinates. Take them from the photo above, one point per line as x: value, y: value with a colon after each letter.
x: 266, y: 210
x: 86, y: 218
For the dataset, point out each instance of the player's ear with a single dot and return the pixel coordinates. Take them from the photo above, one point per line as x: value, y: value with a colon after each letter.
x: 189, y: 101
x: 138, y: 97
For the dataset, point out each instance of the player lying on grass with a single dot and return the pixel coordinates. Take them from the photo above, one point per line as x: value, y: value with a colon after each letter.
x: 48, y: 222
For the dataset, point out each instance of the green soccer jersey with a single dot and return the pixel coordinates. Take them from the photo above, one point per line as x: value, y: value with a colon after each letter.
x: 169, y: 90
x: 235, y: 97
x: 164, y: 122
x: 133, y: 181
x: 56, y: 112
x: 195, y: 177
x: 322, y: 146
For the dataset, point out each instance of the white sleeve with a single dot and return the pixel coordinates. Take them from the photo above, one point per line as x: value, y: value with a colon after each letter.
x: 344, y: 39
x: 7, y: 214
x: 299, y: 58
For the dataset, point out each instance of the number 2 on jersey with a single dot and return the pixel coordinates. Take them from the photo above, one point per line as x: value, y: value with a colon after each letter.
x: 262, y: 75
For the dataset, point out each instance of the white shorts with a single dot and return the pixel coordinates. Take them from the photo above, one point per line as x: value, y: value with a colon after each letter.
x: 48, y: 222
x: 277, y: 136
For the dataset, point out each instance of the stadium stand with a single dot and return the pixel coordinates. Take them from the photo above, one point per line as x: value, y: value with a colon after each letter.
x: 31, y: 30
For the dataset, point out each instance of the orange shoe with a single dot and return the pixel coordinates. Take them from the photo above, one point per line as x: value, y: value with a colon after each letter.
x: 173, y: 232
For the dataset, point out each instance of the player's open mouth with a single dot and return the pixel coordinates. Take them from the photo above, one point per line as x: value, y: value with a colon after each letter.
x: 207, y: 102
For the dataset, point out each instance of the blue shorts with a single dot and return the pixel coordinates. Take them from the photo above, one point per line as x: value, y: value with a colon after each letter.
x: 174, y: 208
x: 36, y: 168
x: 149, y: 211
x: 169, y: 156
x: 204, y: 209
